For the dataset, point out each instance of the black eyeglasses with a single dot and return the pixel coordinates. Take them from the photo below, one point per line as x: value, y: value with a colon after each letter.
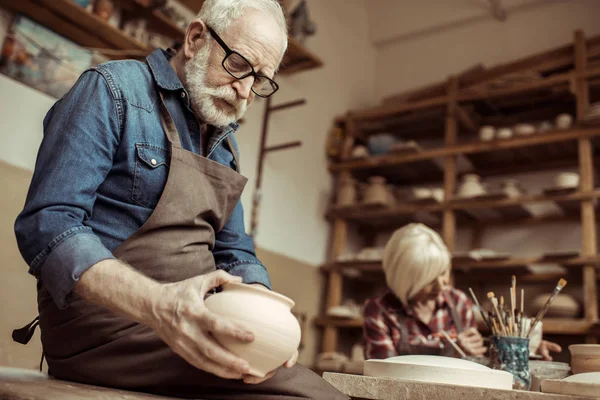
x: 238, y: 67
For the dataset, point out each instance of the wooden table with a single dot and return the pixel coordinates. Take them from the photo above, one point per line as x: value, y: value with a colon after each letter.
x: 366, y: 387
x: 53, y: 389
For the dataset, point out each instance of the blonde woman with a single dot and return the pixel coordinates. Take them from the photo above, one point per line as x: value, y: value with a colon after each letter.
x: 420, y: 305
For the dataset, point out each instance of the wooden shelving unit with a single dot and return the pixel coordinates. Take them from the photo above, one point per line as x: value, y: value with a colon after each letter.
x: 449, y: 116
x: 73, y: 22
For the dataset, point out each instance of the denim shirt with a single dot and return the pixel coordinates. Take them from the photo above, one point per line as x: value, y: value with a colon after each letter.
x: 102, y: 166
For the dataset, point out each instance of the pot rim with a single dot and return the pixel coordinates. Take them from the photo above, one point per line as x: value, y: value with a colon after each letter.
x: 269, y: 293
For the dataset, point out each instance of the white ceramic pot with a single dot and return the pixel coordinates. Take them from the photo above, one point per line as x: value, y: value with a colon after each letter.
x: 545, y: 126
x: 360, y: 151
x: 422, y: 193
x: 563, y: 306
x: 566, y: 180
x: 347, y: 194
x: 487, y: 133
x: 585, y: 358
x: 511, y: 188
x: 504, y: 133
x: 524, y: 129
x: 564, y: 121
x: 438, y: 194
x: 376, y: 191
x: 471, y: 186
x: 268, y: 315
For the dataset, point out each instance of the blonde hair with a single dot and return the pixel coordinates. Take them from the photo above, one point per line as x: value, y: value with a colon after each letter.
x: 414, y: 257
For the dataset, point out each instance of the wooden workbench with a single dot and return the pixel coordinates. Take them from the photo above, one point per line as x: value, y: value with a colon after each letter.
x: 366, y: 387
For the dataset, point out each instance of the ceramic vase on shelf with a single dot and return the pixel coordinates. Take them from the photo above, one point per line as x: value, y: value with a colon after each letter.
x: 512, y: 188
x: 376, y: 191
x: 348, y: 193
x: 268, y: 315
x: 471, y: 186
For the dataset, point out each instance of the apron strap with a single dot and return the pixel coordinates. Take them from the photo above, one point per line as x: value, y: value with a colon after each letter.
x: 23, y: 335
x: 235, y: 154
x: 167, y: 122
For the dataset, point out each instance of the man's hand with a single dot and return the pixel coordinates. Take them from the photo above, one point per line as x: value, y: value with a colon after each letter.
x: 183, y: 322
x: 471, y: 342
x: 253, y: 380
x: 546, y: 347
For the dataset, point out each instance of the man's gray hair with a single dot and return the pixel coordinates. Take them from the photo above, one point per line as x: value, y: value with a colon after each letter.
x: 218, y: 14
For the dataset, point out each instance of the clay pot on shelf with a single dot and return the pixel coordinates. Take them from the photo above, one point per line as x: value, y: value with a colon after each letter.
x: 104, y: 9
x: 512, y: 188
x: 566, y: 180
x: 564, y: 121
x: 487, y: 133
x: 376, y: 191
x: 268, y: 315
x: 504, y: 133
x: 585, y: 358
x: 359, y: 151
x: 563, y: 306
x: 471, y: 186
x: 348, y: 193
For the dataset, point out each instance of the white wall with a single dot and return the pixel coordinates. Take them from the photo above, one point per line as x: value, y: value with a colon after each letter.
x: 442, y: 40
x: 296, y: 182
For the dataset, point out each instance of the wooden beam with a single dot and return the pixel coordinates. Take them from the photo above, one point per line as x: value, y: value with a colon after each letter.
x: 468, y: 148
x: 586, y: 172
x: 466, y: 119
x: 451, y: 136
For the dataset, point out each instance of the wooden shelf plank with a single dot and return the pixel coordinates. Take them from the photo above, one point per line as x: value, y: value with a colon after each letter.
x: 297, y: 59
x: 552, y: 326
x: 469, y: 148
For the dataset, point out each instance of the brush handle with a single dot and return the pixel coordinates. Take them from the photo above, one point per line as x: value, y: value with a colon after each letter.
x: 544, y: 309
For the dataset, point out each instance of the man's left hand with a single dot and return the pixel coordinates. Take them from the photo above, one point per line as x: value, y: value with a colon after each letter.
x: 546, y: 347
x: 253, y: 380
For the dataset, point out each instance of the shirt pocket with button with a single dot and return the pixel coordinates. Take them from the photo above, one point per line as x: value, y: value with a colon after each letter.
x: 150, y: 174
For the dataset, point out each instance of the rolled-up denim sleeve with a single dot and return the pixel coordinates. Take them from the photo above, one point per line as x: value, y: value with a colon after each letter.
x: 81, y: 135
x: 234, y: 251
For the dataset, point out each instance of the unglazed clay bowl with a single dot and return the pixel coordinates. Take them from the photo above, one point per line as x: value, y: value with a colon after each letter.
x: 585, y: 358
x: 268, y: 315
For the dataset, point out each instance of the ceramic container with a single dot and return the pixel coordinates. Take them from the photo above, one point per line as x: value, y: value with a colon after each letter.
x: 360, y: 151
x: 535, y: 339
x: 381, y: 143
x: 422, y: 193
x: 437, y: 369
x: 564, y: 121
x: 504, y: 133
x: 579, y: 385
x: 563, y: 306
x: 438, y: 194
x: 545, y: 126
x: 347, y: 193
x: 511, y: 354
x: 471, y: 186
x: 524, y: 129
x: 487, y: 133
x: 585, y: 358
x: 376, y: 191
x: 566, y: 180
x: 268, y: 315
x: 542, y: 370
x: 512, y: 188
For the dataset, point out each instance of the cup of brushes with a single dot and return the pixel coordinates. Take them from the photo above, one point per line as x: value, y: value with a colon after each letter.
x: 511, y: 330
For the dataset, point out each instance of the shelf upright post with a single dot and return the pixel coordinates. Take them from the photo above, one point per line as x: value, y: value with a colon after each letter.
x: 451, y: 133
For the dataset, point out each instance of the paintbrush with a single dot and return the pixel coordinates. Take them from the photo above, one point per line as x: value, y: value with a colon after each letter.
x: 522, y: 300
x: 513, y: 301
x: 487, y: 322
x: 559, y: 286
x: 494, y: 300
x: 448, y: 338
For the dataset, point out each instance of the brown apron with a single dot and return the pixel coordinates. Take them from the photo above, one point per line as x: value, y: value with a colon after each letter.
x: 90, y: 344
x: 405, y: 348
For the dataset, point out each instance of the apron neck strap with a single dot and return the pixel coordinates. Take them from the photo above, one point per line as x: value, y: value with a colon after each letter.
x: 167, y: 122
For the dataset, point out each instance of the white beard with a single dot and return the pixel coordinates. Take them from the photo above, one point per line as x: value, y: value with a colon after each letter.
x: 202, y: 94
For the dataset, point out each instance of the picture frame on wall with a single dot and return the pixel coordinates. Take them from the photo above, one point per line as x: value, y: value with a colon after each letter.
x: 42, y: 59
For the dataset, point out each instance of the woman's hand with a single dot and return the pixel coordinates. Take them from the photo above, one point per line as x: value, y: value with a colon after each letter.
x: 471, y: 342
x: 546, y: 347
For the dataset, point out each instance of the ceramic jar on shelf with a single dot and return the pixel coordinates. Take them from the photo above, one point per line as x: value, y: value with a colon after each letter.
x: 471, y: 186
x: 348, y: 193
x: 512, y: 188
x: 376, y: 191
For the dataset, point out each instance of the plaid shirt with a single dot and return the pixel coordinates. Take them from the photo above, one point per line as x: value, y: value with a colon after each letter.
x: 382, y: 317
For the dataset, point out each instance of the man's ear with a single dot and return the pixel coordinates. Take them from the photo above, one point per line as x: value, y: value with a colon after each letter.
x: 195, y: 37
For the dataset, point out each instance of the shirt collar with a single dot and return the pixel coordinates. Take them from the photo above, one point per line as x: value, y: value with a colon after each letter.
x: 163, y: 72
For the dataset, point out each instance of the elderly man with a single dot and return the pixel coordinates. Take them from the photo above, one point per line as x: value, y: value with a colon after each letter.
x: 133, y: 215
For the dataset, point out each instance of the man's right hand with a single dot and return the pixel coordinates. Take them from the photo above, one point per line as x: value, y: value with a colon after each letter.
x: 182, y: 321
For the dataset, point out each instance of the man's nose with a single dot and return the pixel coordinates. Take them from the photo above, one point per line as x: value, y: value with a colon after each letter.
x: 243, y: 87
